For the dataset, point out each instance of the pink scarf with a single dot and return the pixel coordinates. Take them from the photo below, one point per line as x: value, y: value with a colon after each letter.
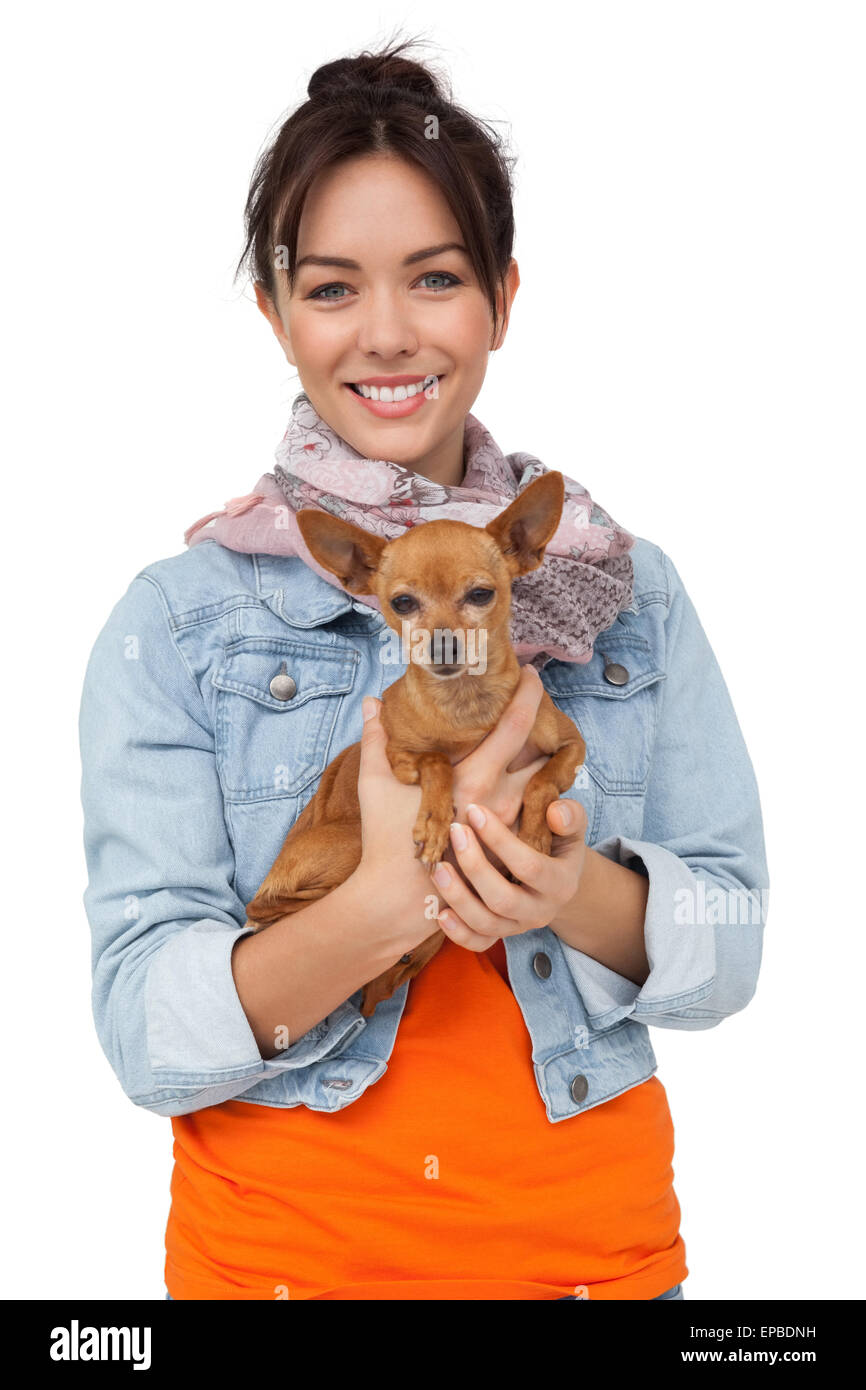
x: 558, y: 610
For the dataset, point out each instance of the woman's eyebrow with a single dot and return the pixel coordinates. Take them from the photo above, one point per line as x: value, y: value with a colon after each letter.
x: 409, y: 260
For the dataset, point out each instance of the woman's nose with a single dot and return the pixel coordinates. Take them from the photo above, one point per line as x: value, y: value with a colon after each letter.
x: 387, y: 327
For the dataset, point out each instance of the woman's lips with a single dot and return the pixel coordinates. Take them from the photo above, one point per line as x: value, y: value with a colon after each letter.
x: 391, y: 410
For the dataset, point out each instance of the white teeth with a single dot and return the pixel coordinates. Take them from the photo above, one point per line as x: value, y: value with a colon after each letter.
x: 397, y: 393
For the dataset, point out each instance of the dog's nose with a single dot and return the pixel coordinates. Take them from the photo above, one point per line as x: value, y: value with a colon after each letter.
x: 445, y: 652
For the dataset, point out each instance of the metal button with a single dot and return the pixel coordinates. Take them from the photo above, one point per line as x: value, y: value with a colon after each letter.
x: 616, y: 674
x: 579, y: 1088
x: 404, y: 960
x: 541, y: 965
x: 283, y: 687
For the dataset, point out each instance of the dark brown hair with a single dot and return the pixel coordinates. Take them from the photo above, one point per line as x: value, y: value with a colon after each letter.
x: 381, y: 102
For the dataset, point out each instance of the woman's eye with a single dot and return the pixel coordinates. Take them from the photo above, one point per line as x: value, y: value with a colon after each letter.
x: 479, y: 596
x: 323, y: 288
x: 403, y: 603
x: 442, y: 275
x: 325, y: 292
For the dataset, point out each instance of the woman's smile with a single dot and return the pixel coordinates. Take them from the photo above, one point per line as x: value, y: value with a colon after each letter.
x: 392, y: 397
x: 394, y: 353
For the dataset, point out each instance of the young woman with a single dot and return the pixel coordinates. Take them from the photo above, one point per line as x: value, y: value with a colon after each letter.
x: 496, y: 1129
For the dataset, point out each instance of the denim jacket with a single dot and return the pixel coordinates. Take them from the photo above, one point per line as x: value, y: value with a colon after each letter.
x: 193, y: 772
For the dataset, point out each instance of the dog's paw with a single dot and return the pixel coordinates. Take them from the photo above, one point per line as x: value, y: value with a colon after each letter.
x: 419, y: 832
x: 432, y: 841
x: 539, y: 839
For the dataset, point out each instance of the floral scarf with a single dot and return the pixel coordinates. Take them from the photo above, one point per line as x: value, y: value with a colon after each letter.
x: 558, y: 610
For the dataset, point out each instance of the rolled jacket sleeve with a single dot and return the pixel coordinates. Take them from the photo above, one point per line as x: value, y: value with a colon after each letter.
x: 160, y: 900
x: 702, y: 849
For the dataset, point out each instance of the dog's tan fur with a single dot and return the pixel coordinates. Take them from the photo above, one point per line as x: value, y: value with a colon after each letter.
x: 430, y: 722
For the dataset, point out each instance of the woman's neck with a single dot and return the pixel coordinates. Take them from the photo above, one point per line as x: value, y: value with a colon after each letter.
x: 446, y: 464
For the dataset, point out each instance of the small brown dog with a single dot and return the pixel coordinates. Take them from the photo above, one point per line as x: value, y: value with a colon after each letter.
x: 445, y: 577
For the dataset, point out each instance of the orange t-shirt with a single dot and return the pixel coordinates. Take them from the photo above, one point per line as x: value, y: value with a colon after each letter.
x: 443, y: 1180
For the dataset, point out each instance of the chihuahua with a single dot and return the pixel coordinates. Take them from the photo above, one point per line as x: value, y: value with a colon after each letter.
x: 447, y: 586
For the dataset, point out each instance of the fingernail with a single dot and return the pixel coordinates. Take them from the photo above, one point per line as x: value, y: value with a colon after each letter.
x: 442, y: 876
x: 565, y: 812
x: 476, y: 815
x: 368, y: 707
x: 458, y: 836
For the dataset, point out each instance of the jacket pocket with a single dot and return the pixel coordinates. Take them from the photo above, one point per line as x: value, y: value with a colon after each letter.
x: 274, y: 737
x: 614, y: 701
x: 616, y: 712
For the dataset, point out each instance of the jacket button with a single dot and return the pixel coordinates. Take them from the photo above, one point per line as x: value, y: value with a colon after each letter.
x: 616, y: 674
x: 579, y: 1088
x: 282, y: 687
x: 541, y: 965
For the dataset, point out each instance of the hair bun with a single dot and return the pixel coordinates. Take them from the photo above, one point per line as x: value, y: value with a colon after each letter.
x: 372, y: 73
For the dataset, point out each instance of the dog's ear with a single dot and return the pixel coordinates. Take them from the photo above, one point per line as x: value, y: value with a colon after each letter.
x: 350, y: 553
x: 525, y: 527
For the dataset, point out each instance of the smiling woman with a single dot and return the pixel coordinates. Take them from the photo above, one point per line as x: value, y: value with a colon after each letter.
x: 435, y: 336
x: 423, y: 230
x: 493, y: 1128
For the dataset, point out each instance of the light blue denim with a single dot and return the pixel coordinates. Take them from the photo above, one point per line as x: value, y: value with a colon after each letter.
x: 193, y: 772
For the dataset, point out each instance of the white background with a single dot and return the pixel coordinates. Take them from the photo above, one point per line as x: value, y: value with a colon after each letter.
x: 687, y: 341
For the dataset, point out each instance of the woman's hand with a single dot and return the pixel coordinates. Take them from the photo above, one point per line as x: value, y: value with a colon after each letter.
x: 494, y: 775
x: 397, y: 886
x: 482, y: 905
x: 497, y: 772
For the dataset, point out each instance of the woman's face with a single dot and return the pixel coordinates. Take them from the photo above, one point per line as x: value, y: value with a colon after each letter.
x: 380, y: 318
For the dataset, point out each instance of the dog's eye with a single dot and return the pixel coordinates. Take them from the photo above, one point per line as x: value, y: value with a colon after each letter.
x: 404, y: 603
x: 479, y: 596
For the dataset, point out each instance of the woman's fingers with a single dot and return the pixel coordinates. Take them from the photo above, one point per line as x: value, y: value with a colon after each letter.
x: 374, y: 760
x: 567, y: 819
x: 494, y: 897
x: 524, y: 775
x: 463, y: 911
x: 484, y: 905
x: 458, y: 932
x: 507, y: 799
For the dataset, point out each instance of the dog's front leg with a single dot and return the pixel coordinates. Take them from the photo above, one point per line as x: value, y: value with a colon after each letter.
x: 437, y: 810
x: 545, y: 787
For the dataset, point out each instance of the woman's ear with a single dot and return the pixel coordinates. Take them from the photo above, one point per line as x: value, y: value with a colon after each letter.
x: 512, y: 280
x: 272, y: 314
